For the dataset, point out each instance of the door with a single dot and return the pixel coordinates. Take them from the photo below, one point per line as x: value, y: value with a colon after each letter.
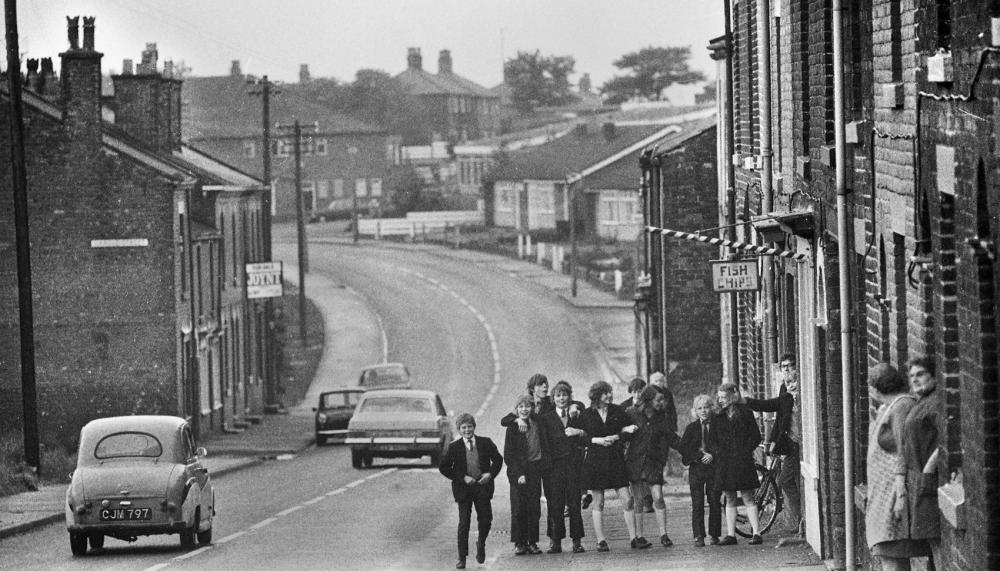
x: 811, y: 317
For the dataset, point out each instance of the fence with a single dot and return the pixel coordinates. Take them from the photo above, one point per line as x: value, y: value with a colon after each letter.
x: 419, y: 223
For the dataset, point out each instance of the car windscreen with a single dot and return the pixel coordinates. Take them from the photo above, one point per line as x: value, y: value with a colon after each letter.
x: 397, y: 404
x: 339, y: 400
x: 128, y: 444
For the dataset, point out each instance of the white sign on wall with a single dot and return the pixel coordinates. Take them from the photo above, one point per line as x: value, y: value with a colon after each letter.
x: 264, y: 280
x: 736, y: 275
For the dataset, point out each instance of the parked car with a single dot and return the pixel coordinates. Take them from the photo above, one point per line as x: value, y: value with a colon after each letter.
x: 138, y: 475
x: 335, y: 409
x: 398, y: 423
x: 386, y: 375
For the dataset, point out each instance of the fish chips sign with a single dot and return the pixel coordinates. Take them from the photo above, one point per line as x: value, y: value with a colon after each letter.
x: 735, y: 275
x: 264, y: 280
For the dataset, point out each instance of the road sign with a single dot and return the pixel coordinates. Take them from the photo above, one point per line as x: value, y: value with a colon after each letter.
x: 264, y: 280
x: 735, y: 275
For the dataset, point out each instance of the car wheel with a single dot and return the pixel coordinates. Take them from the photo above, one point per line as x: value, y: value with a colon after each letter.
x: 187, y: 535
x: 368, y: 460
x: 78, y: 543
x: 96, y: 540
x: 356, y: 459
x: 205, y: 537
x: 320, y: 440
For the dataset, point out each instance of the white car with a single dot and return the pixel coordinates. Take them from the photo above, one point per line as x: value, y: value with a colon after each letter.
x: 398, y: 423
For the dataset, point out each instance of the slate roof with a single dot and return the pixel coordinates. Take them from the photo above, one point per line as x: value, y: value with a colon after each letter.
x: 422, y: 82
x: 225, y: 107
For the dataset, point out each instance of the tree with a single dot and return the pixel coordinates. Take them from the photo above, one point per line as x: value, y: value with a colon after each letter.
x: 537, y: 80
x: 652, y: 71
x: 409, y: 193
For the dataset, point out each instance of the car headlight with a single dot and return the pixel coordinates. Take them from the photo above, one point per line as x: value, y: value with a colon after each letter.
x: 321, y: 418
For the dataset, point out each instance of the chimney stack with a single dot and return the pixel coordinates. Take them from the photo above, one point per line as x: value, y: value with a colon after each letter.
x: 304, y: 76
x: 128, y: 67
x: 444, y: 62
x: 148, y: 103
x: 413, y: 59
x: 168, y: 69
x: 81, y: 85
x: 47, y: 84
x: 150, y: 56
x: 234, y: 69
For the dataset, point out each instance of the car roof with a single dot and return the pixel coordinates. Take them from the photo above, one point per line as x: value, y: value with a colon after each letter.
x: 384, y: 366
x: 343, y: 390
x: 401, y: 393
x: 142, y: 422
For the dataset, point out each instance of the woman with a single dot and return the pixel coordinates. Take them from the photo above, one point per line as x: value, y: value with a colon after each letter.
x: 604, y: 466
x: 920, y: 452
x: 886, y: 513
x: 526, y: 454
x: 736, y: 435
x: 646, y: 456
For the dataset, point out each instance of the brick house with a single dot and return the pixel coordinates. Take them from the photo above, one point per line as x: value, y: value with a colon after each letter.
x: 340, y: 155
x: 919, y: 101
x: 139, y: 303
x: 457, y: 109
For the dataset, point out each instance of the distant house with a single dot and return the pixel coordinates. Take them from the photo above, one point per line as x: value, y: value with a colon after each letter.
x: 532, y: 191
x: 457, y: 108
x: 138, y: 246
x: 341, y: 155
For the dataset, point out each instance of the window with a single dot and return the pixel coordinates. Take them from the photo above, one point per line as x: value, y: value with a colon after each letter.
x: 280, y: 148
x: 125, y: 444
x: 322, y: 147
x: 250, y: 149
x: 338, y: 188
x: 361, y: 187
x: 376, y: 187
x: 323, y: 189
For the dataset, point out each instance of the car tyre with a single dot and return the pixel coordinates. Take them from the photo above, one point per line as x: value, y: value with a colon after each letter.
x: 356, y: 459
x: 205, y: 537
x: 187, y: 536
x: 368, y: 460
x: 96, y: 540
x: 320, y: 441
x: 78, y: 543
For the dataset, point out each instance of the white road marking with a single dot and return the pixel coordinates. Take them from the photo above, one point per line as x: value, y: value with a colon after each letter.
x: 314, y: 500
x: 231, y: 537
x: 337, y: 491
x: 262, y: 524
x: 355, y: 483
x: 283, y: 513
x: 157, y: 567
x: 192, y: 553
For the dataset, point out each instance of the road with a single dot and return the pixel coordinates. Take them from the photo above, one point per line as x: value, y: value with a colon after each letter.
x: 459, y: 328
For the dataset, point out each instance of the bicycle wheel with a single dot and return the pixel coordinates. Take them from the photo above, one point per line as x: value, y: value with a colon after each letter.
x: 768, y: 500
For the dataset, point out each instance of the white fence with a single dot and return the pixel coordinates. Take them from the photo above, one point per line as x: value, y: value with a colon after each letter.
x: 418, y: 223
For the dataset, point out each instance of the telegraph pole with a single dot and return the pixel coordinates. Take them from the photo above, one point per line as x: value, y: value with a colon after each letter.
x: 352, y: 151
x: 26, y: 319
x: 301, y: 225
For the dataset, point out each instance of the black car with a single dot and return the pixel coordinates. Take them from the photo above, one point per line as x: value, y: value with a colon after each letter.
x: 334, y: 411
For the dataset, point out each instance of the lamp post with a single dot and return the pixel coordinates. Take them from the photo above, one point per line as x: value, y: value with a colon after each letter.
x: 352, y: 152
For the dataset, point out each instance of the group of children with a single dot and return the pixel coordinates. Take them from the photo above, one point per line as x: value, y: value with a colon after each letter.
x: 575, y: 454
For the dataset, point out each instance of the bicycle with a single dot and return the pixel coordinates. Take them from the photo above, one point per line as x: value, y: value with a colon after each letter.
x: 768, y: 498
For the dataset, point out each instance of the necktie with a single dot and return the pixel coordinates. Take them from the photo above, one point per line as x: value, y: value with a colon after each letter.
x: 470, y: 444
x: 704, y: 431
x: 562, y: 417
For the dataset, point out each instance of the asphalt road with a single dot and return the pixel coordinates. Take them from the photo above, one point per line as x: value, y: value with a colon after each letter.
x: 459, y: 328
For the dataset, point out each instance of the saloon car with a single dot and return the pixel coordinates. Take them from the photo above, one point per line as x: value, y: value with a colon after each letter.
x: 334, y: 411
x: 386, y: 375
x: 398, y: 423
x: 138, y: 475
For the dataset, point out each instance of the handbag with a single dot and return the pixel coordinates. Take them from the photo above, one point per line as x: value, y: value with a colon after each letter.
x: 886, y: 438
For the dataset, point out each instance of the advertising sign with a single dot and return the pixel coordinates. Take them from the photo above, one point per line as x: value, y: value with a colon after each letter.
x: 264, y: 280
x: 735, y: 275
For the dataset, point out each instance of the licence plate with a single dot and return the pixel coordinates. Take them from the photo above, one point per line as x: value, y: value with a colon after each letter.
x: 126, y: 514
x: 393, y: 447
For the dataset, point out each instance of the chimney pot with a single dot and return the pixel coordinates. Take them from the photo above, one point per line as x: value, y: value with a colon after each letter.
x: 414, y: 59
x: 304, y: 76
x: 168, y: 69
x: 444, y: 62
x: 149, y: 60
x: 88, y: 33
x: 73, y: 31
x: 234, y: 69
x: 47, y: 68
x: 32, y: 66
x: 127, y: 67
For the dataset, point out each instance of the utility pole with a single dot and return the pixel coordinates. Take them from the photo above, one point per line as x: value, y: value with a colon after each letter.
x: 26, y: 319
x: 301, y: 225
x: 570, y: 180
x: 353, y: 152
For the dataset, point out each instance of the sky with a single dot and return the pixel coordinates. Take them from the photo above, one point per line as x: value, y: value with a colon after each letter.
x: 338, y: 37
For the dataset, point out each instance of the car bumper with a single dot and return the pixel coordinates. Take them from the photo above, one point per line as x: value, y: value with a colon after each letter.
x: 332, y: 432
x: 395, y: 445
x: 393, y: 440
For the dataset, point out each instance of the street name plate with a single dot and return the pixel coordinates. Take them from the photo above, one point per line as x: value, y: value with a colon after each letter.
x: 735, y: 275
x: 264, y: 280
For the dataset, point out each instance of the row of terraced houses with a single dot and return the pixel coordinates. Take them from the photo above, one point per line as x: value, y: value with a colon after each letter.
x: 912, y: 120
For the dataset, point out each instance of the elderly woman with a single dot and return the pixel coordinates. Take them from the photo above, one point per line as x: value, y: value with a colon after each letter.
x: 920, y: 452
x: 604, y: 467
x: 887, y: 518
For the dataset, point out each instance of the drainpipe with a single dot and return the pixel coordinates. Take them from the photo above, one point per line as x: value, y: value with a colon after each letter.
x: 843, y: 269
x: 766, y: 154
x: 728, y: 148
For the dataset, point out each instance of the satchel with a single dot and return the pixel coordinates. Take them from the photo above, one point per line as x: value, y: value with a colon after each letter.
x: 886, y: 439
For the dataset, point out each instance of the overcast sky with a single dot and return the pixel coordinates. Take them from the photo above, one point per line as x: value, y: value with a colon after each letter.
x: 338, y: 37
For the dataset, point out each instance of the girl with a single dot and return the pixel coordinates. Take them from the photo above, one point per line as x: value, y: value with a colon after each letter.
x: 736, y: 435
x: 696, y: 449
x: 646, y: 457
x: 604, y: 467
x: 526, y: 455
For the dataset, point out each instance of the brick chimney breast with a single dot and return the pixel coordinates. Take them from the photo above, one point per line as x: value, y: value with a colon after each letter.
x: 80, y: 95
x: 444, y: 62
x: 234, y: 69
x: 73, y: 31
x: 414, y: 59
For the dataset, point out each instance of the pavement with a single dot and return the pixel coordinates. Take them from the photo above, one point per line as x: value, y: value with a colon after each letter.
x: 355, y: 339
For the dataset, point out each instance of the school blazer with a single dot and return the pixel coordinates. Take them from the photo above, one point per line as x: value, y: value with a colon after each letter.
x: 453, y: 467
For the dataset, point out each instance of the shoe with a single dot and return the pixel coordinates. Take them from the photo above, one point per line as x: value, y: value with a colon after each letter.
x: 602, y: 546
x: 480, y: 552
x: 533, y: 549
x: 555, y: 547
x: 566, y: 511
x: 640, y: 543
x: 586, y: 501
x: 461, y: 563
x: 756, y: 540
x: 665, y: 541
x: 520, y: 549
x: 728, y: 540
x: 714, y: 541
x: 699, y: 542
x: 578, y: 547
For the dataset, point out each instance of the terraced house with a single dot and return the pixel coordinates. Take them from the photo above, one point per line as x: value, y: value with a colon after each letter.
x: 138, y: 249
